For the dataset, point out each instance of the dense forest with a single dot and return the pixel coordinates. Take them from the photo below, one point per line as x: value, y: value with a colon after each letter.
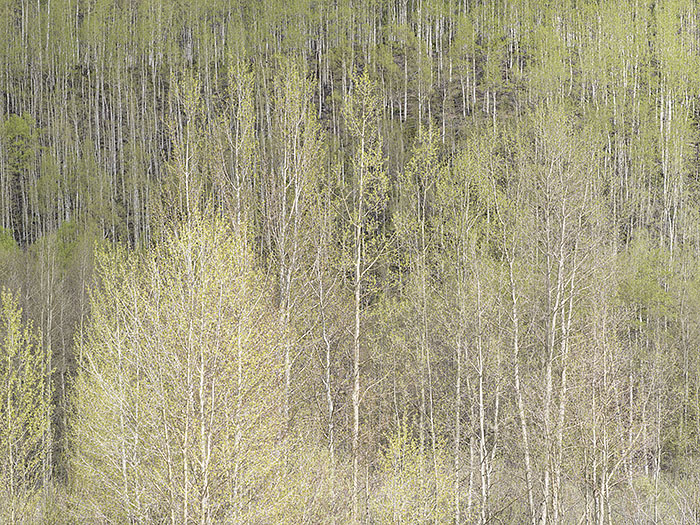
x: 350, y: 261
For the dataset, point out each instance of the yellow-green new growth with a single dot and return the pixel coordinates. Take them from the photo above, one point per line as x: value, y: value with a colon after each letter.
x: 24, y: 410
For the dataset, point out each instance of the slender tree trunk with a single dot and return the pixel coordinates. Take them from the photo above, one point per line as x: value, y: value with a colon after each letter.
x: 356, y: 353
x: 519, y: 395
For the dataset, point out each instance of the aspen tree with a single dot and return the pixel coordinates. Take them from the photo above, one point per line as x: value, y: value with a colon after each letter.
x: 174, y: 405
x: 561, y: 209
x: 239, y: 166
x: 401, y: 496
x: 456, y: 220
x: 366, y: 203
x: 20, y: 138
x: 542, y: 324
x: 25, y: 441
x: 415, y: 225
x: 296, y: 151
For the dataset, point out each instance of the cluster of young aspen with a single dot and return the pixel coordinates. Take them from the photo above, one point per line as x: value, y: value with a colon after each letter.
x: 361, y: 261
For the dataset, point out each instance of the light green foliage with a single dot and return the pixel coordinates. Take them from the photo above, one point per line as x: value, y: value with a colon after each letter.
x: 187, y: 188
x: 644, y: 287
x: 404, y: 494
x: 236, y: 183
x: 367, y: 190
x: 20, y: 140
x: 25, y: 412
x: 8, y: 245
x: 476, y: 217
x: 361, y: 112
x: 549, y: 54
x: 424, y: 173
x: 175, y: 404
